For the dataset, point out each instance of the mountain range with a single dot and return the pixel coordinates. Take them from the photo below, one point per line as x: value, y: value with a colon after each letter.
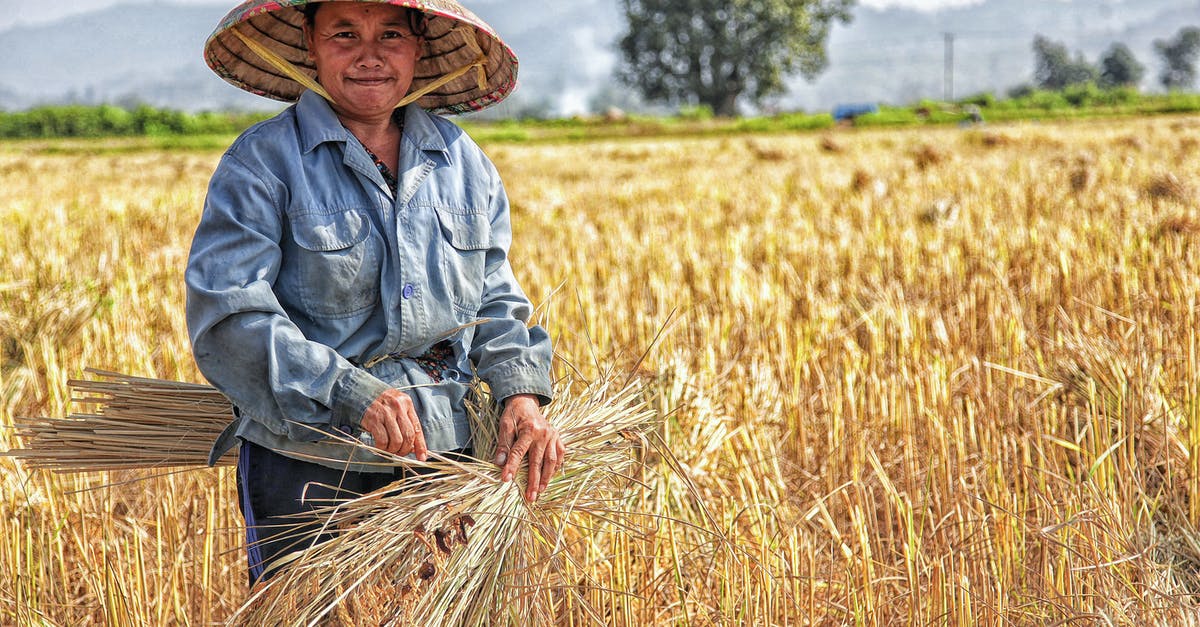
x: 151, y: 52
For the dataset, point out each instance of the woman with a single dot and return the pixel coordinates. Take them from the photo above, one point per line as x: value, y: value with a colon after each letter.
x: 349, y: 276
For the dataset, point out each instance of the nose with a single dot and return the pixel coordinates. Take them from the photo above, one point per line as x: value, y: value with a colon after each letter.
x: 369, y: 56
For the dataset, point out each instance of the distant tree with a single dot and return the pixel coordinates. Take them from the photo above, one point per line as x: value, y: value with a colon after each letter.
x: 713, y: 53
x: 1024, y: 90
x: 1179, y: 56
x: 1054, y: 68
x: 1119, y: 68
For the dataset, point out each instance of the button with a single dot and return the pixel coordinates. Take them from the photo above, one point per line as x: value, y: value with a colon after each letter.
x: 408, y: 292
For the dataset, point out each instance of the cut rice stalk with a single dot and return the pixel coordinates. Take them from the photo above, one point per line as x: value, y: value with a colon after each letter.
x: 136, y: 423
x: 459, y: 547
x: 452, y: 546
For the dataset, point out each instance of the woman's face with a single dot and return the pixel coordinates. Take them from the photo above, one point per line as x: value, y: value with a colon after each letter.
x: 365, y: 55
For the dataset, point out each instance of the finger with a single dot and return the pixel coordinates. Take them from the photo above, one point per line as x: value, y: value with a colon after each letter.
x: 562, y: 453
x: 515, y: 455
x: 408, y: 423
x: 549, y: 465
x: 504, y: 439
x: 533, y: 486
x: 377, y: 427
x: 380, y: 435
x: 404, y: 424
x: 395, y: 435
x: 419, y: 449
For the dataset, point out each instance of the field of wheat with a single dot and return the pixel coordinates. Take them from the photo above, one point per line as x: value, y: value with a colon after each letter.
x: 928, y: 376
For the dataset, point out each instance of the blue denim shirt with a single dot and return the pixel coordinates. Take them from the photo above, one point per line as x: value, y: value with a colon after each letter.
x: 304, y: 268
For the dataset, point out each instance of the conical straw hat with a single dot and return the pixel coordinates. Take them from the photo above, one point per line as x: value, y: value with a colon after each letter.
x: 259, y: 47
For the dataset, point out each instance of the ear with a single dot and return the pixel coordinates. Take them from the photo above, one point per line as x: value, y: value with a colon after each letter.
x: 308, y: 42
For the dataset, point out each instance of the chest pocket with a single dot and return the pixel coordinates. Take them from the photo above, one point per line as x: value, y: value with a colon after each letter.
x: 466, y: 238
x: 334, y: 267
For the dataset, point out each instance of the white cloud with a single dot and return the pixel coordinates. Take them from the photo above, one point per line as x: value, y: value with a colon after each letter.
x: 13, y: 12
x: 920, y: 5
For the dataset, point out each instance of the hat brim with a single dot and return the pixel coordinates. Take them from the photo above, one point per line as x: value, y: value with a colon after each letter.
x: 278, y: 25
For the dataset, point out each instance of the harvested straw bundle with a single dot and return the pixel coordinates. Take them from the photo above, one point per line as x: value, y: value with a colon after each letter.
x: 133, y: 423
x: 453, y: 546
x: 457, y: 547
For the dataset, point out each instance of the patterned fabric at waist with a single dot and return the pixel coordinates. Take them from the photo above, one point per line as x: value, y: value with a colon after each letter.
x: 433, y: 361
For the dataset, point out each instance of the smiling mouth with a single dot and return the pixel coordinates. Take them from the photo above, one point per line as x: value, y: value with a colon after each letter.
x: 370, y: 81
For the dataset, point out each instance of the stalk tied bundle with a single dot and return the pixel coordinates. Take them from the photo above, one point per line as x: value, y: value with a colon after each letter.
x: 451, y: 546
x: 134, y: 423
x: 456, y: 546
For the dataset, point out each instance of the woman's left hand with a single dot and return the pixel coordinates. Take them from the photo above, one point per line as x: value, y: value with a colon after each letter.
x: 524, y: 431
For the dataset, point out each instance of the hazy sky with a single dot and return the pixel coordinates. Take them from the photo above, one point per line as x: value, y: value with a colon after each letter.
x: 35, y: 11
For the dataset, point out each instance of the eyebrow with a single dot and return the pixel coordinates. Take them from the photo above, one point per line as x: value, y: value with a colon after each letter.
x: 345, y: 23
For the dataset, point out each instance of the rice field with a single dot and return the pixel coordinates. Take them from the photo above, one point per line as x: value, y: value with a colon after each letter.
x: 926, y: 376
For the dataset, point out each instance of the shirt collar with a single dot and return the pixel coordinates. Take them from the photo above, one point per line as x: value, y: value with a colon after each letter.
x: 319, y: 124
x: 420, y: 127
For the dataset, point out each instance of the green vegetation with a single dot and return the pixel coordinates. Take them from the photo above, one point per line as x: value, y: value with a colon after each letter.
x: 147, y: 127
x: 1077, y: 101
x: 1073, y: 102
x: 111, y: 121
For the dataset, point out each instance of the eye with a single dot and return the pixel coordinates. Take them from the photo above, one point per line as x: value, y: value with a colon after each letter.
x: 394, y: 34
x: 344, y: 34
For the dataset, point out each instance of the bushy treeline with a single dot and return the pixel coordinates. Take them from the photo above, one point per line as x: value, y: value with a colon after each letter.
x: 1055, y: 68
x: 114, y: 121
x: 1089, y: 97
x: 1076, y: 101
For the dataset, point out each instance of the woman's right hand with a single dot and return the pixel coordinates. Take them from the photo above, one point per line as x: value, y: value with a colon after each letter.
x: 392, y: 421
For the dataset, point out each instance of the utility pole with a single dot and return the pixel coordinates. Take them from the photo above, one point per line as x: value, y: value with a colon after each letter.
x: 949, y: 67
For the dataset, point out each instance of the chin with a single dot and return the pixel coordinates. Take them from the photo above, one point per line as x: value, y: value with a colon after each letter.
x: 367, y: 104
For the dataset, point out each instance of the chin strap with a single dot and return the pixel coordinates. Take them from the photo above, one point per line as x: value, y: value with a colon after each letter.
x: 280, y: 63
x: 298, y: 75
x: 480, y: 65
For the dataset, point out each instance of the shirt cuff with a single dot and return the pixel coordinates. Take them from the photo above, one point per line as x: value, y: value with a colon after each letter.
x: 522, y: 380
x: 354, y: 394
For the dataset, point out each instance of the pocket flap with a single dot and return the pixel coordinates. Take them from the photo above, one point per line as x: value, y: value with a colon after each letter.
x: 465, y: 231
x: 323, y: 232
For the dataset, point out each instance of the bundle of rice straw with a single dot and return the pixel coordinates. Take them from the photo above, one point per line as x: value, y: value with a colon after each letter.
x: 133, y: 423
x: 457, y: 547
x: 454, y: 546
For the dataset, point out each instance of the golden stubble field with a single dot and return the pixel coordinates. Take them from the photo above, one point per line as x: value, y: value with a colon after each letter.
x: 922, y: 376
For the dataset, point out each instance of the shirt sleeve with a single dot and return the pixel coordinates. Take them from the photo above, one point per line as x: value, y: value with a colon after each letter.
x: 243, y: 341
x: 509, y: 355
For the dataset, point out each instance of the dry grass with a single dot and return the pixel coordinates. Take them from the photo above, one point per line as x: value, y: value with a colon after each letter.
x: 172, y: 423
x: 457, y: 547
x: 983, y: 413
x: 1169, y: 187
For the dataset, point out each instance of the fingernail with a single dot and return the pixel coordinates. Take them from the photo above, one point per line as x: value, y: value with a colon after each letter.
x: 501, y: 458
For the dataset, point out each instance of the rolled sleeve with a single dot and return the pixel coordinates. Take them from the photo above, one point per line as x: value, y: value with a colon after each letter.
x: 354, y: 394
x: 523, y: 380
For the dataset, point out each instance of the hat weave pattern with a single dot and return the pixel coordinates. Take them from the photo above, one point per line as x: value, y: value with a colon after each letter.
x: 455, y: 39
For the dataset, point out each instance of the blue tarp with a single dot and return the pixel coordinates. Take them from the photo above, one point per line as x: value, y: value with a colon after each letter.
x: 852, y: 110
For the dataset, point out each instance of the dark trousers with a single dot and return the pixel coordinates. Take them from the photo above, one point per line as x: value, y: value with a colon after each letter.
x: 273, y: 489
